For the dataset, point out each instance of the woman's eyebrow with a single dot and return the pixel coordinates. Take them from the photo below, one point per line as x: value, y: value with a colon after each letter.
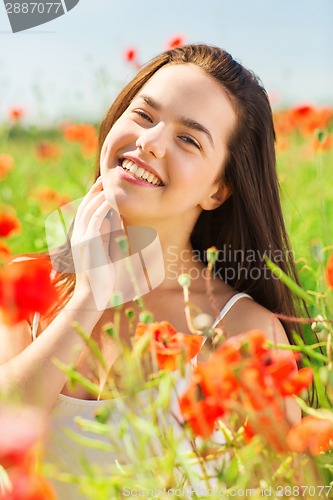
x: 187, y: 122
x: 150, y: 101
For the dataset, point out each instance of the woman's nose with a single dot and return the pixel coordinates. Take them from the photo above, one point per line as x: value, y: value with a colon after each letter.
x: 153, y: 140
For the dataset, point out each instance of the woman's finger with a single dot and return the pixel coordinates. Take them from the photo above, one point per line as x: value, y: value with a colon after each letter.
x: 83, y: 215
x: 91, y: 250
x: 98, y: 217
x: 95, y: 189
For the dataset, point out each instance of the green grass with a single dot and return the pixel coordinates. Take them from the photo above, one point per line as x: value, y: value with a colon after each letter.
x: 307, y: 200
x: 70, y: 175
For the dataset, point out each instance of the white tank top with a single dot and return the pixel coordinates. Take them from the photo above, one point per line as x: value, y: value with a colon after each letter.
x: 69, y: 456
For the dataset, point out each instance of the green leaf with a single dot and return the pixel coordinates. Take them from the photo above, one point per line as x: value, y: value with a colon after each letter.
x: 90, y: 343
x: 97, y: 444
x: 231, y: 473
x: 320, y: 134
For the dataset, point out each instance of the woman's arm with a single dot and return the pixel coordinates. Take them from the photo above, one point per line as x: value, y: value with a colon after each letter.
x: 31, y: 374
x: 13, y: 340
x: 27, y: 369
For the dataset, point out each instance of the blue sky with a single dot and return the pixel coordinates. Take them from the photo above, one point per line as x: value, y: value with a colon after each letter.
x: 73, y: 66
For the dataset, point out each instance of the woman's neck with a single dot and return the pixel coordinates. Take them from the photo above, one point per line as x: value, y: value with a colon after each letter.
x: 165, y: 246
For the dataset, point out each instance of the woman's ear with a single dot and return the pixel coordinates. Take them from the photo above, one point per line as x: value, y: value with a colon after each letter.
x: 218, y: 196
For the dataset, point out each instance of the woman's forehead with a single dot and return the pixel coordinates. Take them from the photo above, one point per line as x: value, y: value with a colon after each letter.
x: 187, y: 90
x: 178, y: 77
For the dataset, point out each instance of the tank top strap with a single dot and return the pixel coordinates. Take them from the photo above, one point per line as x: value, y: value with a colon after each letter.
x: 226, y: 308
x: 34, y: 326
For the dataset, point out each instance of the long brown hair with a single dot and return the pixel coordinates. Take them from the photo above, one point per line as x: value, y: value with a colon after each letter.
x: 249, y: 225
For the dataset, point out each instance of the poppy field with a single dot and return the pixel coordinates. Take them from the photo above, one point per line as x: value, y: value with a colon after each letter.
x: 243, y: 381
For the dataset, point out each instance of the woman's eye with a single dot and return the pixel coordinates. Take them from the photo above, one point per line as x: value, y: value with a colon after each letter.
x: 143, y: 115
x: 190, y: 140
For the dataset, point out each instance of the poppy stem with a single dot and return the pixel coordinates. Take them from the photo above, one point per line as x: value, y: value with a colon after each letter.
x: 187, y: 310
x: 209, y: 289
x: 329, y: 351
x: 202, y: 464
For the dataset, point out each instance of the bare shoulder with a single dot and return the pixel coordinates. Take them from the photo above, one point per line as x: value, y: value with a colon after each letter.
x: 246, y: 314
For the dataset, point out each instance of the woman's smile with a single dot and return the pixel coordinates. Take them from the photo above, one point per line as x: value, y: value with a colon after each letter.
x: 139, y: 171
x: 128, y: 176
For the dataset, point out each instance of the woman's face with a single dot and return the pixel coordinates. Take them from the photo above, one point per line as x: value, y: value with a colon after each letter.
x: 163, y: 157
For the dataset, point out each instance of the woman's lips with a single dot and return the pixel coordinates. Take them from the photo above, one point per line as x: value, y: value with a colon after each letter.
x: 141, y: 170
x: 128, y: 176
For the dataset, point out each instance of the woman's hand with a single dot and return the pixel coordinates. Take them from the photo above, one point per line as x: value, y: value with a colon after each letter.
x: 90, y: 244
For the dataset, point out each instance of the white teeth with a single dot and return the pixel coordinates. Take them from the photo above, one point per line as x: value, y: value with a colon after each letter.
x: 125, y: 163
x: 140, y: 172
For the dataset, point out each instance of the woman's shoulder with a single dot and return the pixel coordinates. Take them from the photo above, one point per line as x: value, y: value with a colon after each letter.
x: 246, y: 314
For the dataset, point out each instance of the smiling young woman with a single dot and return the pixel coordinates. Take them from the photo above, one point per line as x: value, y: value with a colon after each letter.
x: 186, y: 149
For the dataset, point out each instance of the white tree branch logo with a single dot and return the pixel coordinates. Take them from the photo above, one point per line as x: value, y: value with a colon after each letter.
x: 24, y: 14
x: 130, y: 262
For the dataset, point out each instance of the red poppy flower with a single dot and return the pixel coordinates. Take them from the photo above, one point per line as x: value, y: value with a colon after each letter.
x: 47, y: 150
x: 79, y: 132
x: 6, y: 165
x: 5, y: 251
x: 322, y: 141
x: 200, y: 412
x: 245, y: 373
x: 217, y: 379
x: 50, y: 199
x: 281, y: 366
x: 253, y: 343
x: 84, y: 134
x: 16, y: 114
x: 130, y: 54
x: 175, y: 41
x: 168, y: 344
x: 28, y: 485
x: 329, y: 272
x: 9, y: 224
x: 271, y: 424
x: 21, y: 428
x: 297, y: 382
x: 89, y: 145
x: 26, y: 288
x: 312, y: 433
x: 301, y: 112
x: 307, y: 119
x: 256, y: 389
